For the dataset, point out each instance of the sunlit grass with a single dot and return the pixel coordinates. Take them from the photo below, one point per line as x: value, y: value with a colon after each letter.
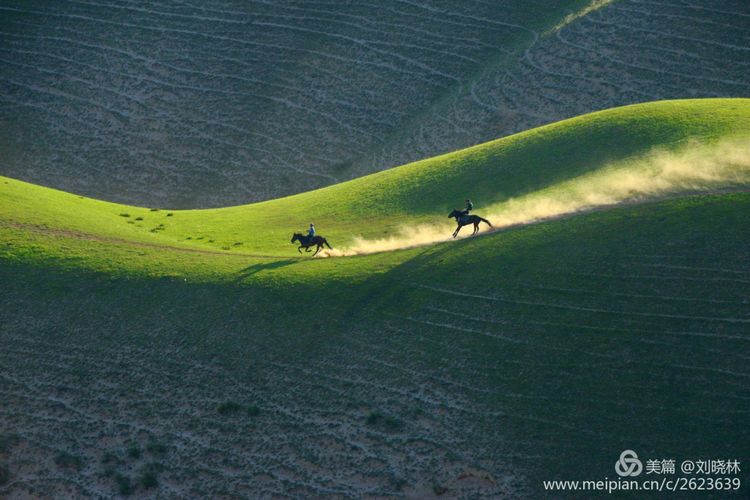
x: 600, y: 158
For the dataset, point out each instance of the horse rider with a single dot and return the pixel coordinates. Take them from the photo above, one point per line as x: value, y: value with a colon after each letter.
x: 311, y: 233
x: 469, y: 208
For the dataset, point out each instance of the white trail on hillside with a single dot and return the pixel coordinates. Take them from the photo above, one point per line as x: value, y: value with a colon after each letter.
x: 695, y: 168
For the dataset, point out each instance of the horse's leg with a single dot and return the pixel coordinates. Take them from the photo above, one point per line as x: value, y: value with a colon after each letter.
x: 455, y: 233
x: 476, y: 228
x: 317, y: 250
x: 299, y: 249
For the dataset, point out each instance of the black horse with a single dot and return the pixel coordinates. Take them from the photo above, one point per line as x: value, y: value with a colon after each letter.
x: 464, y: 220
x: 306, y: 242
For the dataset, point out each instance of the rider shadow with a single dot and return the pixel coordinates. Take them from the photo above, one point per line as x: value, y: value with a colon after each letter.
x: 261, y: 266
x: 388, y: 288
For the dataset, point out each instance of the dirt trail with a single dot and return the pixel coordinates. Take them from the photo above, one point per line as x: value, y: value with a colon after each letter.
x: 697, y: 168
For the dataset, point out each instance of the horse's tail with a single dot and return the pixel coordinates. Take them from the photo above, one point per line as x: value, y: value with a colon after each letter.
x: 326, y: 242
x: 485, y: 220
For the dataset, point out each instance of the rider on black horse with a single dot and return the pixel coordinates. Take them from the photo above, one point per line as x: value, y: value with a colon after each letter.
x: 310, y: 239
x: 469, y: 208
x: 465, y: 218
x: 311, y: 232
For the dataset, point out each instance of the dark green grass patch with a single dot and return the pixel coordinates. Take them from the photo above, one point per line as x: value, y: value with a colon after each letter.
x: 8, y: 441
x: 134, y: 451
x: 378, y: 419
x: 157, y: 449
x: 66, y: 460
x: 229, y: 408
x: 4, y: 474
x: 149, y: 476
x: 233, y: 408
x: 149, y: 479
x: 124, y: 485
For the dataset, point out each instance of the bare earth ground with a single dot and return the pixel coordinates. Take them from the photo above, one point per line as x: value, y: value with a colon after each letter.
x: 624, y: 53
x: 458, y: 387
x: 91, y: 394
x: 193, y: 106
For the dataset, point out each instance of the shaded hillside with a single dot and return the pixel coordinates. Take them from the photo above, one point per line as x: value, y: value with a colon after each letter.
x: 197, y: 353
x: 479, y: 368
x: 625, y: 52
x: 189, y: 105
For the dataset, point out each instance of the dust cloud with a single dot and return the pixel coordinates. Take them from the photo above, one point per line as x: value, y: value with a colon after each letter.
x: 694, y: 168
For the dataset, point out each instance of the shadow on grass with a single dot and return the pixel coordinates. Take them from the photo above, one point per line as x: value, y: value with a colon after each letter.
x: 262, y: 266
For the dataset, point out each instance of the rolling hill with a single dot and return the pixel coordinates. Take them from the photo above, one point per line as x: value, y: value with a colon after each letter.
x: 641, y: 145
x: 195, y: 105
x: 195, y: 351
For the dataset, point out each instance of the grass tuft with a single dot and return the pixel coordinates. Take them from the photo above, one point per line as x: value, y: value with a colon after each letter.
x: 124, y: 486
x: 229, y: 407
x: 149, y: 480
x: 157, y: 449
x: 4, y: 474
x: 66, y: 460
x: 8, y: 441
x: 134, y: 451
x: 377, y: 419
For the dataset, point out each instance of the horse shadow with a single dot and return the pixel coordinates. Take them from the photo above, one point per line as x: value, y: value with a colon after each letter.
x: 262, y: 266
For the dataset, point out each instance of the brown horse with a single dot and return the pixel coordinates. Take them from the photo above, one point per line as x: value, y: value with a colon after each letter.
x: 306, y: 243
x: 464, y: 220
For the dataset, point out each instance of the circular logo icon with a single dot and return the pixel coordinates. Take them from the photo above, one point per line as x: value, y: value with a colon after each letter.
x: 628, y: 465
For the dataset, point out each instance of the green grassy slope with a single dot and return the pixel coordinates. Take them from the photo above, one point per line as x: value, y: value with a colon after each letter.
x: 538, y: 352
x: 423, y: 192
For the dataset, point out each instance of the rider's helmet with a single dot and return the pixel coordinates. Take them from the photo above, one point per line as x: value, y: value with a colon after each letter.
x: 312, y: 225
